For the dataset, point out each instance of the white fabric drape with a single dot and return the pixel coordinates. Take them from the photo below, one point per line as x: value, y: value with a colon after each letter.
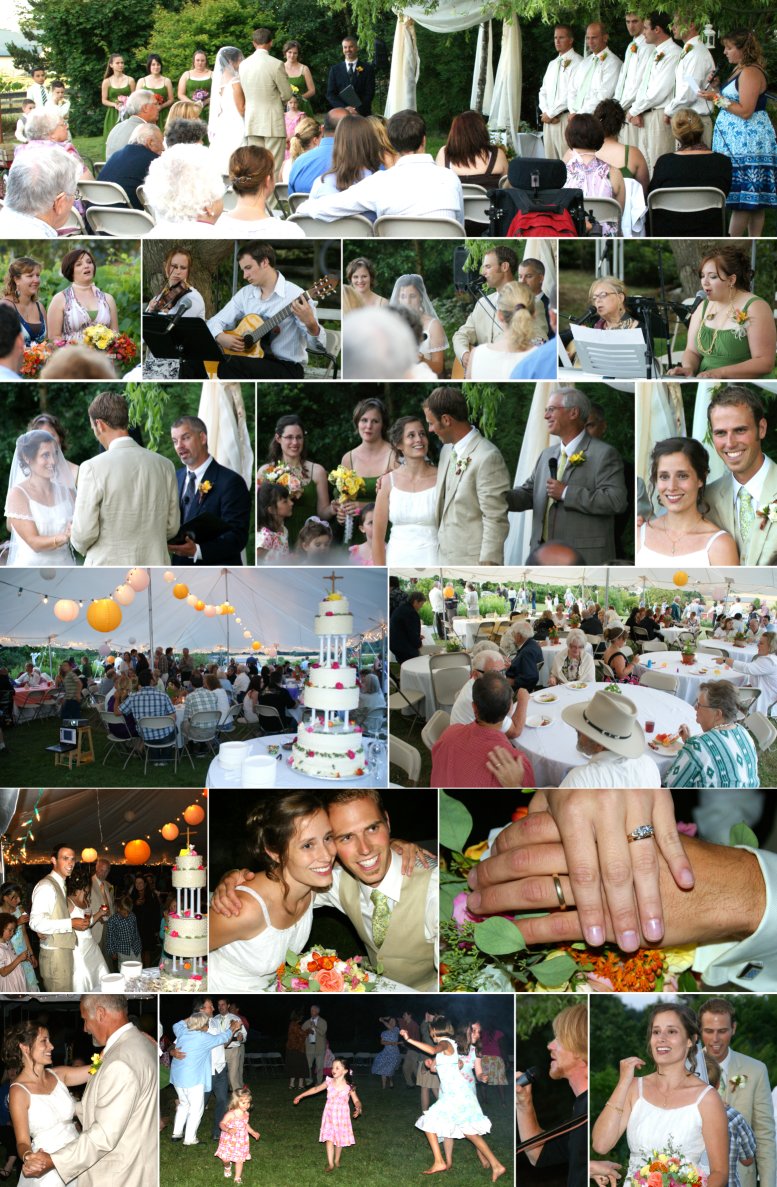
x: 704, y: 392
x: 505, y: 107
x: 535, y: 439
x: 405, y: 67
x: 659, y: 415
x: 229, y: 441
x: 544, y: 251
x: 485, y: 35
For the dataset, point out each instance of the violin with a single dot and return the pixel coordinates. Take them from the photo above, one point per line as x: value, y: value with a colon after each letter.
x: 169, y: 296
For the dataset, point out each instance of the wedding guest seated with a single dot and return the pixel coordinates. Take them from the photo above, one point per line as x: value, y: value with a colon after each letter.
x: 388, y: 153
x: 107, y: 682
x: 355, y: 155
x: 130, y: 165
x: 405, y: 637
x: 543, y: 626
x: 515, y: 312
x: 123, y: 687
x: 724, y: 754
x: 573, y: 664
x: 39, y: 194
x: 315, y: 161
x: 469, y: 153
x: 148, y: 702
x: 610, y: 735
x: 459, y: 755
x: 524, y: 670
x: 617, y: 658
x: 47, y: 130
x: 199, y: 700
x: 213, y: 685
x: 307, y: 135
x: 241, y: 682
x: 278, y: 697
x: 180, y: 131
x: 691, y: 164
x: 252, y: 178
x: 486, y: 657
x: 413, y: 187
x: 625, y: 157
x: 79, y: 362
x: 140, y: 108
x: 761, y: 672
x: 377, y: 345
x: 586, y: 170
x: 185, y: 191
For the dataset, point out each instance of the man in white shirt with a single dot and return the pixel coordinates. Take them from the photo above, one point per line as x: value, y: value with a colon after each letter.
x: 50, y: 918
x: 553, y: 97
x: 634, y: 60
x: 235, y: 1050
x: 57, y: 101
x: 414, y: 186
x: 614, y: 742
x: 486, y: 657
x: 39, y: 194
x: 645, y: 113
x: 437, y: 603
x: 101, y: 895
x: 694, y: 70
x: 37, y: 90
x: 595, y: 77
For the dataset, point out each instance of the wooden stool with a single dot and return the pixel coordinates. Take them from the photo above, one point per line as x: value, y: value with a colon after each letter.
x: 82, y: 753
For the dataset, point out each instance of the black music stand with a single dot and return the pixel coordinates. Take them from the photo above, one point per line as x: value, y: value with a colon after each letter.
x: 187, y: 339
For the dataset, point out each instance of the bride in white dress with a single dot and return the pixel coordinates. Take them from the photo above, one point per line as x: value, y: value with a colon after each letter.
x: 226, y: 128
x: 671, y: 1108
x: 39, y: 504
x: 679, y: 467
x: 407, y: 500
x: 88, y: 962
x: 42, y: 1109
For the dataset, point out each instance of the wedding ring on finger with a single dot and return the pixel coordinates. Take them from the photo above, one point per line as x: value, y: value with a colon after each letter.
x: 643, y: 832
x: 562, y: 902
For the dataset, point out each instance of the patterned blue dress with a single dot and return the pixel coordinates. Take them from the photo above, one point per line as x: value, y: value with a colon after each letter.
x: 752, y: 147
x: 457, y: 1113
x: 388, y: 1058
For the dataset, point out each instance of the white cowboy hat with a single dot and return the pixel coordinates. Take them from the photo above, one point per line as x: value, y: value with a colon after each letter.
x: 609, y: 719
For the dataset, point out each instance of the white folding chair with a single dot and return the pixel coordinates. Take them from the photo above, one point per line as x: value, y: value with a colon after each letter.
x: 119, y: 222
x: 152, y: 744
x: 355, y: 226
x: 103, y: 193
x: 407, y: 758
x: 395, y: 226
x: 435, y: 728
x: 688, y: 200
x: 294, y: 200
x: 661, y: 680
x: 762, y: 728
x: 447, y: 683
x: 604, y: 210
x: 655, y: 645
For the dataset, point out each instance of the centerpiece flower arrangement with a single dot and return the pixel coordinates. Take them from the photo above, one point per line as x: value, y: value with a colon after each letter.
x: 321, y: 970
x: 689, y: 652
x: 480, y: 953
x: 349, y: 485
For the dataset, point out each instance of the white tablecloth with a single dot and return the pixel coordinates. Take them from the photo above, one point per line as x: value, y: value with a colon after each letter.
x: 376, y: 775
x: 671, y: 634
x: 467, y: 628
x: 553, y: 749
x: 748, y: 652
x: 691, y: 675
x: 415, y: 676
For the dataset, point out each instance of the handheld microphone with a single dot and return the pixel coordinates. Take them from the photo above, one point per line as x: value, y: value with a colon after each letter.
x: 553, y: 467
x: 713, y: 74
x: 530, y: 1076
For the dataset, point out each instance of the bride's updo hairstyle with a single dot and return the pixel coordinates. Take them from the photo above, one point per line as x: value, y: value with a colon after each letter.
x: 22, y: 1032
x: 271, y: 826
x: 29, y: 446
x: 688, y: 1022
x: 698, y: 459
x: 80, y: 879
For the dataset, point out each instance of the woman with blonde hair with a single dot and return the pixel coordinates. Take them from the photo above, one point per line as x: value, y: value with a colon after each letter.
x: 388, y: 153
x: 20, y: 290
x: 691, y: 164
x: 515, y: 313
x: 185, y: 109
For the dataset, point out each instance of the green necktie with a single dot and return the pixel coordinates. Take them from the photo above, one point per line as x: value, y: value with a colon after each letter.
x: 381, y: 916
x: 746, y: 515
x: 562, y: 465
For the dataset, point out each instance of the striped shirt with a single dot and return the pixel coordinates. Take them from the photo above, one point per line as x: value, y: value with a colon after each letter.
x: 149, y: 702
x: 202, y: 700
x: 717, y: 758
x: 741, y: 1144
x: 290, y: 343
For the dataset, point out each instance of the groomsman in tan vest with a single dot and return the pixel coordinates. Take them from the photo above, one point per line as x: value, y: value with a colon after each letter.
x: 266, y: 89
x: 50, y: 918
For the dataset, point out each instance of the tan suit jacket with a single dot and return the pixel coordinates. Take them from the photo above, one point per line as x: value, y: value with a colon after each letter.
x: 753, y: 1099
x: 266, y: 88
x: 118, y: 1112
x: 126, y: 507
x: 472, y: 520
x: 320, y: 1032
x: 100, y: 891
x: 762, y: 545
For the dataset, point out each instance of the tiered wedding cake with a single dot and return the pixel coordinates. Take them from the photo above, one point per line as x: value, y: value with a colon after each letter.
x: 329, y: 744
x: 186, y: 931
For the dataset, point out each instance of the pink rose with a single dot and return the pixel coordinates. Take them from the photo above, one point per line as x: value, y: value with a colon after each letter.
x: 655, y: 1179
x: 330, y: 981
x: 298, y: 984
x: 460, y: 913
x: 350, y: 753
x: 339, y: 684
x: 334, y: 665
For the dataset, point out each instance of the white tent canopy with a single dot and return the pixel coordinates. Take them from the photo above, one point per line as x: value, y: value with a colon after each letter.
x: 713, y: 582
x: 277, y: 605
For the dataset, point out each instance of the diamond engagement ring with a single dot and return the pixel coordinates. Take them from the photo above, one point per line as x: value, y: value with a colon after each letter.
x: 642, y: 832
x: 562, y: 902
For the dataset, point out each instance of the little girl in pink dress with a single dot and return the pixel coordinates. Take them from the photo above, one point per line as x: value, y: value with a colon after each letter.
x: 336, y: 1128
x: 235, y: 1127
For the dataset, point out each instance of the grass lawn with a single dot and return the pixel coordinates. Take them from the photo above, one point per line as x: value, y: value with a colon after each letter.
x: 389, y: 1149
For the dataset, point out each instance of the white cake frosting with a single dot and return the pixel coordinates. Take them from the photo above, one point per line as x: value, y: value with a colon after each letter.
x: 186, y: 930
x: 189, y: 872
x: 338, y: 624
x: 191, y: 938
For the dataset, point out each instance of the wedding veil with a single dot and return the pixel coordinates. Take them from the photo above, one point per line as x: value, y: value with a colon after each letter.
x: 41, y: 450
x: 413, y: 280
x: 225, y: 70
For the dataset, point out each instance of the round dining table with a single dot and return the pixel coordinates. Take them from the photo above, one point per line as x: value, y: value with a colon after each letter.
x: 415, y: 675
x: 746, y: 652
x: 690, y: 676
x: 375, y: 775
x: 467, y: 628
x: 552, y: 749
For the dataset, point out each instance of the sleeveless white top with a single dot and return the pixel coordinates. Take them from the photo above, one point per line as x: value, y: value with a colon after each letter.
x: 413, y: 518
x: 646, y: 556
x: 652, y: 1128
x: 51, y: 1125
x: 250, y: 965
x: 50, y: 519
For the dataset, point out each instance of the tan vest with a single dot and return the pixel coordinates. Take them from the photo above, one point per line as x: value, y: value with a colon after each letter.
x: 406, y: 955
x: 65, y: 939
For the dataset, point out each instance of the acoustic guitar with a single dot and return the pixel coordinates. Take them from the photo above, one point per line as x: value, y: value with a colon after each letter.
x: 257, y: 331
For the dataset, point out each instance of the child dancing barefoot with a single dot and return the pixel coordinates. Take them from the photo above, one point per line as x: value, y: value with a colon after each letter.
x: 336, y: 1129
x: 235, y: 1128
x: 457, y: 1113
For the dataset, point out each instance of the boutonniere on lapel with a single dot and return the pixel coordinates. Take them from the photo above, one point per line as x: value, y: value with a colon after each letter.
x: 360, y: 70
x: 602, y: 55
x: 96, y: 1063
x: 741, y: 318
x: 203, y: 490
x: 576, y: 459
x: 735, y: 1082
x: 686, y: 50
x: 566, y: 63
x: 767, y: 514
x: 633, y: 47
x: 461, y: 464
x: 659, y: 57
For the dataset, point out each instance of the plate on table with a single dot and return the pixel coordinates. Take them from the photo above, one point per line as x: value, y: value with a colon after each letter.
x: 578, y: 684
x: 538, y: 723
x: 544, y: 698
x: 668, y: 744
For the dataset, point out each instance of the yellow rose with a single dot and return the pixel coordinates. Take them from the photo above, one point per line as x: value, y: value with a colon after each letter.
x: 475, y: 852
x: 679, y: 959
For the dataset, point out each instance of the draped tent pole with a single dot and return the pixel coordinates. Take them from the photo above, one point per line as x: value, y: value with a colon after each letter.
x: 226, y: 598
x: 150, y: 619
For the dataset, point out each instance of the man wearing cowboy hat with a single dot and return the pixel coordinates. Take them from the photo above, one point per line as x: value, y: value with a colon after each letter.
x: 609, y: 734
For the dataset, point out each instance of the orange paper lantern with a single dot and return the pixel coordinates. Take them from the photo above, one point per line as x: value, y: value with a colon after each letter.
x: 180, y: 591
x: 680, y: 578
x: 199, y: 604
x: 137, y: 852
x: 103, y: 615
x: 194, y: 814
x: 170, y: 831
x: 88, y: 855
x: 255, y: 646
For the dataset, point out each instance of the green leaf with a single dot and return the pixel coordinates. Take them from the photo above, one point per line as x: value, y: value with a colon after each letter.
x: 498, y: 937
x: 455, y: 822
x: 687, y: 983
x: 555, y: 971
x: 742, y: 835
x: 448, y: 892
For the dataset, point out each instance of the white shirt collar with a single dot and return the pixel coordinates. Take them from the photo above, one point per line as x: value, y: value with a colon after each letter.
x: 411, y: 157
x: 574, y: 445
x: 391, y: 885
x: 58, y: 878
x: 755, y: 486
x: 462, y: 447
x: 198, y: 473
x: 117, y: 1034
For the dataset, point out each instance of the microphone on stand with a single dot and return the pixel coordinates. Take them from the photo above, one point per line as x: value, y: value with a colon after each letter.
x: 180, y: 311
x: 589, y: 315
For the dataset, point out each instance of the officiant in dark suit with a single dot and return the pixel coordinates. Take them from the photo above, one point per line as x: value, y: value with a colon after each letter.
x: 205, y: 487
x: 354, y: 72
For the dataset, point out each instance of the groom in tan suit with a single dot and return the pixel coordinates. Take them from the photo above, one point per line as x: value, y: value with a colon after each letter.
x: 119, y: 1141
x: 50, y: 919
x: 267, y: 89
x: 127, y: 500
x: 472, y: 485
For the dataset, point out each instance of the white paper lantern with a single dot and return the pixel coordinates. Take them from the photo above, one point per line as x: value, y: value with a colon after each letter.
x: 124, y: 595
x: 169, y: 577
x: 66, y: 610
x: 138, y: 579
x: 210, y: 611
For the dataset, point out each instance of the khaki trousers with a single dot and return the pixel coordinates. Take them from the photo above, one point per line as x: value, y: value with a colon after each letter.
x: 56, y: 969
x: 235, y: 1058
x: 553, y: 138
x: 655, y: 138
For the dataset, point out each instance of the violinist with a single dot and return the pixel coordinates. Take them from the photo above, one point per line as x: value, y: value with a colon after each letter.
x: 177, y: 265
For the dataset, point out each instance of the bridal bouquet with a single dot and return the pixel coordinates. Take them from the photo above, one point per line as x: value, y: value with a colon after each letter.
x: 349, y: 485
x: 119, y: 347
x: 321, y: 970
x: 668, y: 1168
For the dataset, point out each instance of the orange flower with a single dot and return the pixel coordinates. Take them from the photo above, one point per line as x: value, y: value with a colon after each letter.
x: 328, y: 962
x: 330, y: 981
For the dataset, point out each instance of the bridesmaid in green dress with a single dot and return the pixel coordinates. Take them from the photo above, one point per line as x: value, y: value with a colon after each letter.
x: 196, y: 82
x: 287, y: 448
x: 373, y: 458
x: 159, y: 85
x: 299, y: 76
x: 115, y: 86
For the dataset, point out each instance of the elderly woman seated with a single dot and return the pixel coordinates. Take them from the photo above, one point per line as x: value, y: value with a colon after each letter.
x: 723, y: 754
x: 185, y: 191
x: 544, y: 625
x: 47, y: 129
x: 524, y: 670
x: 576, y: 663
x: 761, y: 671
x: 691, y: 164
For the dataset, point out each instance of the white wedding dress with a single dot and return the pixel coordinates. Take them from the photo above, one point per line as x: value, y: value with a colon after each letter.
x: 653, y: 1128
x: 226, y: 128
x: 413, y: 519
x: 88, y: 962
x: 51, y: 1127
x: 250, y: 965
x: 699, y: 558
x: 49, y: 520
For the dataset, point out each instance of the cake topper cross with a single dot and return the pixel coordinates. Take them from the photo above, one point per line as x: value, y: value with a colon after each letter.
x: 333, y: 578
